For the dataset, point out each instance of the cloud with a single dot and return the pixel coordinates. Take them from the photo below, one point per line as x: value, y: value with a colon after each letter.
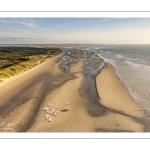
x: 91, y: 33
x: 26, y: 23
x: 14, y: 21
x: 17, y: 38
x: 109, y: 19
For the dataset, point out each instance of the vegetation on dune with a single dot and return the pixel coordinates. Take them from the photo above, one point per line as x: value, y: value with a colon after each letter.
x: 15, y: 60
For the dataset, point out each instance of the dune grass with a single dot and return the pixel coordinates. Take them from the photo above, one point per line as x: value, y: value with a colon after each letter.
x: 18, y: 66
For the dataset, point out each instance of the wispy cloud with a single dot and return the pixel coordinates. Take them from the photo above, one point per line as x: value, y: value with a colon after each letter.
x: 30, y: 24
x: 83, y: 33
x: 80, y: 33
x: 109, y: 19
x: 14, y: 21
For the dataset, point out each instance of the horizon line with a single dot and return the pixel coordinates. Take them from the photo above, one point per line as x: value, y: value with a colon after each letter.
x: 76, y: 44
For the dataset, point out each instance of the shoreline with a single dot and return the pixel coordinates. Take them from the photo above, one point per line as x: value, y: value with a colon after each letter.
x: 137, y: 100
x: 111, y: 88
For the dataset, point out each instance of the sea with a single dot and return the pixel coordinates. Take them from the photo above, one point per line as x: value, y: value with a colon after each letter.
x: 132, y: 64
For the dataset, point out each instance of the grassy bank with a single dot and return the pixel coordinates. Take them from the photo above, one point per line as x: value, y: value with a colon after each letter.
x: 16, y: 60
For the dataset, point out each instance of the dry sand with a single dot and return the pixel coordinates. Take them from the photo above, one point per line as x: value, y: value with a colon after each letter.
x: 23, y: 114
x: 20, y: 81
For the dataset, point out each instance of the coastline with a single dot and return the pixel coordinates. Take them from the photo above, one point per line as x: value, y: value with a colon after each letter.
x: 113, y: 93
x: 83, y: 115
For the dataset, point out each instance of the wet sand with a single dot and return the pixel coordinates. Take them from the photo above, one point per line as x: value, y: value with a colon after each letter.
x: 118, y: 98
x: 81, y: 93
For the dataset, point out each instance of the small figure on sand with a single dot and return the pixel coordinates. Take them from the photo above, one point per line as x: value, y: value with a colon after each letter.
x: 50, y: 119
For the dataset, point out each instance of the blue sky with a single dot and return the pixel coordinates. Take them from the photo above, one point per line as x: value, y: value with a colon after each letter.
x: 74, y: 30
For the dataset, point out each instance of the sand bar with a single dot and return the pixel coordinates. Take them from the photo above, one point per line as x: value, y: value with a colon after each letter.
x: 113, y: 94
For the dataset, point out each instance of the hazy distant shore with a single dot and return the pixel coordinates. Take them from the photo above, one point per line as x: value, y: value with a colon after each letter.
x: 87, y: 99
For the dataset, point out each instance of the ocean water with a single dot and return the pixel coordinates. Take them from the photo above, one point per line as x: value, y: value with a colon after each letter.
x: 132, y: 64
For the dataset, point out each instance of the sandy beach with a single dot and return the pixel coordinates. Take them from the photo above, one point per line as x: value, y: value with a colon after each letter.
x: 69, y: 93
x: 118, y: 97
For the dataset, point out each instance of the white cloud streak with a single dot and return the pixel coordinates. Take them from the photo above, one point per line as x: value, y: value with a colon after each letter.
x: 27, y: 24
x: 109, y: 19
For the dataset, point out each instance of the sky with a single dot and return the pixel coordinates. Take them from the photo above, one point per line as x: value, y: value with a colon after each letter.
x: 74, y: 30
